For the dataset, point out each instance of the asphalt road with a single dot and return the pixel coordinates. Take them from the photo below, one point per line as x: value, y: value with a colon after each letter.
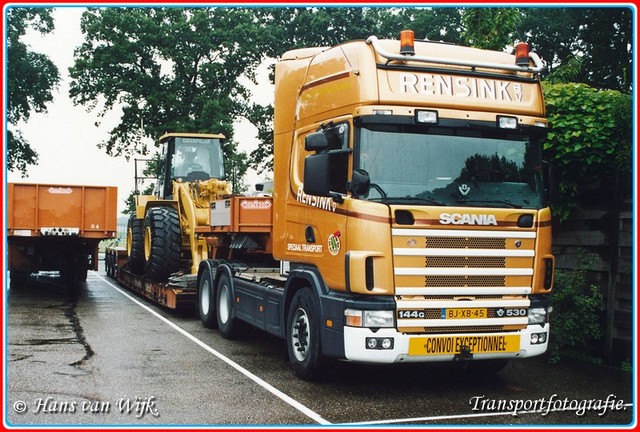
x: 104, y: 356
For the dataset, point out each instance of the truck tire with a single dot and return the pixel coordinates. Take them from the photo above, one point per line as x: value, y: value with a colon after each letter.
x: 109, y: 264
x: 229, y: 326
x: 162, y: 243
x: 82, y: 271
x: 206, y: 303
x: 75, y: 271
x: 303, y: 335
x: 135, y: 244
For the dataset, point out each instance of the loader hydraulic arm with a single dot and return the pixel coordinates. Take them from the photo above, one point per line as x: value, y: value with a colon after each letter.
x: 194, y: 206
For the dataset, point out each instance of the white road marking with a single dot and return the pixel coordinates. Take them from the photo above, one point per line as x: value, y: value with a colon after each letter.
x: 271, y: 389
x: 413, y: 420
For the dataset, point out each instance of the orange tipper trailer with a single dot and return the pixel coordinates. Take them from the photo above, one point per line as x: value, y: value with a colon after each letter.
x: 58, y: 228
x: 409, y: 220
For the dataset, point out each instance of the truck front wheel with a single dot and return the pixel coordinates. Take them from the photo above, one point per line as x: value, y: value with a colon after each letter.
x: 303, y: 335
x: 162, y: 242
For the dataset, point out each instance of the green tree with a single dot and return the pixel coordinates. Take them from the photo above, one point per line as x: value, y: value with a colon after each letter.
x: 490, y: 28
x: 31, y: 79
x: 436, y: 24
x: 589, y: 139
x: 607, y: 37
x: 167, y: 69
x: 602, y: 37
x: 287, y: 28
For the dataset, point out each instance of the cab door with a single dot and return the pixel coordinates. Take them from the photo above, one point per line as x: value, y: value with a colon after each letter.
x: 317, y: 218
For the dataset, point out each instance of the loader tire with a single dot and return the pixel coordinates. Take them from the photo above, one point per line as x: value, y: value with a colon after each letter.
x: 135, y: 245
x: 162, y: 243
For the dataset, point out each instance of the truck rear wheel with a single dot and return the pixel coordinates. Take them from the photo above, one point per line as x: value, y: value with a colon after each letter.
x: 303, y: 335
x: 162, y: 242
x: 206, y: 303
x: 135, y: 244
x: 228, y: 324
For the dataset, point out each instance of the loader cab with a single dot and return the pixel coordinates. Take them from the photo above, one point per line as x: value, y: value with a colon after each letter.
x: 188, y: 158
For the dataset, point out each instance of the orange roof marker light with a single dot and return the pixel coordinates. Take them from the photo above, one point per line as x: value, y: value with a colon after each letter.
x: 407, y: 52
x: 522, y: 54
x: 406, y: 42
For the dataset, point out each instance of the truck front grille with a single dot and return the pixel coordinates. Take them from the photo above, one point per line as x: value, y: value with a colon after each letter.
x: 478, y: 271
x: 464, y: 281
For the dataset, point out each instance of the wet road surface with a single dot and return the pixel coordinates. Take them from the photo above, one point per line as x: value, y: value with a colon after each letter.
x: 101, y: 355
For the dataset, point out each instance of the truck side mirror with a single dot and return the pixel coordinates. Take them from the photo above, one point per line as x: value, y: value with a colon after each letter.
x: 316, y: 141
x: 360, y: 182
x: 316, y: 174
x: 551, y: 182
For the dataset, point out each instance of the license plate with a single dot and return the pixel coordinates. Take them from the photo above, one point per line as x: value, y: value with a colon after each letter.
x: 443, y: 345
x: 464, y: 313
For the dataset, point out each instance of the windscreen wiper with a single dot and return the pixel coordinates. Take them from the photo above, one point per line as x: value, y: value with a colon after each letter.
x: 509, y: 203
x: 416, y: 200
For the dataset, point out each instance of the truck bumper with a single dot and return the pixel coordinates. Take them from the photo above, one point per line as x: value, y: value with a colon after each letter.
x: 402, y: 347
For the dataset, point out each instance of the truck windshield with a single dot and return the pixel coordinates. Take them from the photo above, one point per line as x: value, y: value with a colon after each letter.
x: 201, y: 157
x: 450, y: 167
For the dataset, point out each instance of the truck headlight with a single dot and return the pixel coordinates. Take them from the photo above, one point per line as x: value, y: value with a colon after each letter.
x: 537, y: 315
x: 368, y: 318
x: 378, y: 319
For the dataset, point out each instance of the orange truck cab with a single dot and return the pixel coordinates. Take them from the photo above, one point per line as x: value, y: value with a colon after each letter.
x: 409, y: 186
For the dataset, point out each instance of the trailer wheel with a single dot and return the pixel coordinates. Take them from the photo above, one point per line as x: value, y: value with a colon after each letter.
x: 162, y: 242
x: 75, y: 270
x: 109, y: 264
x: 81, y: 271
x: 228, y: 324
x: 303, y: 335
x: 206, y: 304
x: 135, y: 244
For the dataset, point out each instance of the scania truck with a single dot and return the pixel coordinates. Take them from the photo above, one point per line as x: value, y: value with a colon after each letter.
x: 409, y: 220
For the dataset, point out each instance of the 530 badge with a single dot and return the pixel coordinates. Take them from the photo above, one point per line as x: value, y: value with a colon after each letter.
x: 502, y: 312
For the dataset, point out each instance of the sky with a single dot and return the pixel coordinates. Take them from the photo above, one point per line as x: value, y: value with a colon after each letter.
x: 66, y: 137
